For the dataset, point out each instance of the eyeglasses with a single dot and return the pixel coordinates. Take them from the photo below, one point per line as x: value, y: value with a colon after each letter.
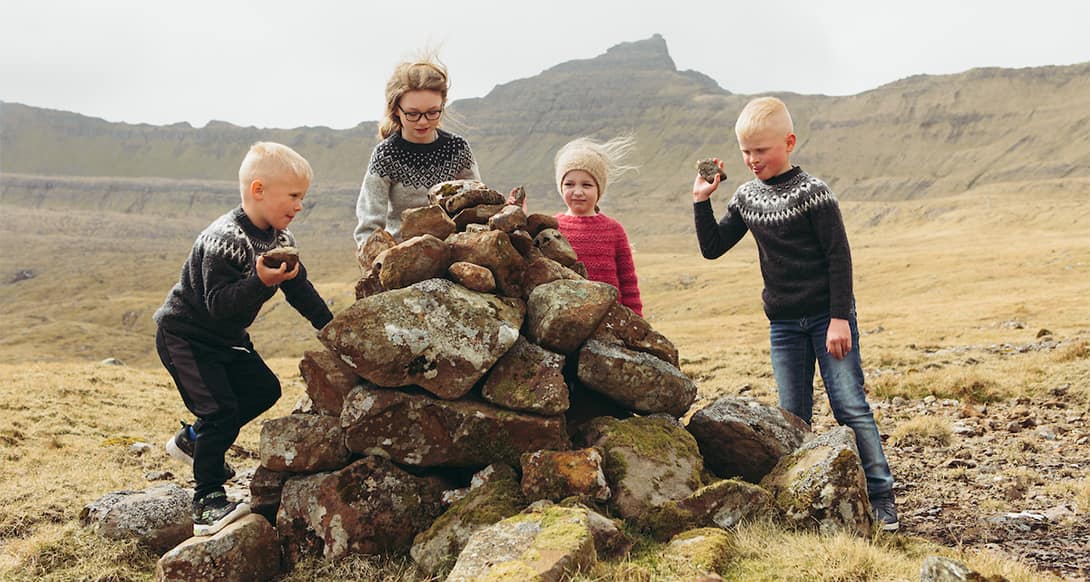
x: 416, y: 115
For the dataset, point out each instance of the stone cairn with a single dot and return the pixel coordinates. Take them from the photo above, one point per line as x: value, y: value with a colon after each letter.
x: 484, y: 407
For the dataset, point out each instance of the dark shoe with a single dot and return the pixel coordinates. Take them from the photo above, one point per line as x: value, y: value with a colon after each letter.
x: 885, y: 513
x: 180, y: 448
x: 214, y: 512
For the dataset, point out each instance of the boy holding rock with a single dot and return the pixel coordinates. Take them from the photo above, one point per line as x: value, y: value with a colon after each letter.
x: 202, y: 338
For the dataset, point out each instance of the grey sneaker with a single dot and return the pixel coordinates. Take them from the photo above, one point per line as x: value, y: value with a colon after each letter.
x: 884, y: 511
x: 214, y: 512
x: 180, y: 448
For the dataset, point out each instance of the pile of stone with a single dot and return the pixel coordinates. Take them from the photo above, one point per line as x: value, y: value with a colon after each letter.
x: 482, y: 402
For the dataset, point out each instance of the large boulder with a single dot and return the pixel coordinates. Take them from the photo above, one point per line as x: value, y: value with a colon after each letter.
x: 491, y: 249
x: 431, y: 220
x: 649, y: 461
x: 246, y: 550
x: 561, y: 315
x: 528, y: 378
x: 303, y: 443
x: 494, y: 496
x: 639, y: 381
x: 821, y: 485
x: 414, y: 429
x: 415, y: 260
x: 158, y: 517
x: 722, y: 504
x: 369, y: 507
x: 435, y: 334
x: 548, y: 546
x: 741, y: 437
x: 328, y: 380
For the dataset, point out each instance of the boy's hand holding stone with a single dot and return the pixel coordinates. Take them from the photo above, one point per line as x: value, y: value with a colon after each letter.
x: 272, y: 277
x: 702, y: 189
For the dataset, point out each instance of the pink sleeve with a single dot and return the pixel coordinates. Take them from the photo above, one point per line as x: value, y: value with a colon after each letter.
x: 626, y: 274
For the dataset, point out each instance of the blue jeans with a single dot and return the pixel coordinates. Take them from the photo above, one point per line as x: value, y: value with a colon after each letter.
x: 796, y: 345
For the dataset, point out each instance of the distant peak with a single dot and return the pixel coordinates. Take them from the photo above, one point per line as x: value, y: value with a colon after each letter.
x: 649, y: 54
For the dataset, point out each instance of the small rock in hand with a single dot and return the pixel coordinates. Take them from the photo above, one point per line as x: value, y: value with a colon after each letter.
x: 289, y: 255
x: 708, y: 169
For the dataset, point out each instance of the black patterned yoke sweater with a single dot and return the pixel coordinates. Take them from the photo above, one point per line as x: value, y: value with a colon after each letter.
x: 219, y: 293
x: 805, y: 259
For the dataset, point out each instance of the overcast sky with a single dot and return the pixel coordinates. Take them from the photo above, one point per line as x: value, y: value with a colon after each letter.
x: 276, y: 63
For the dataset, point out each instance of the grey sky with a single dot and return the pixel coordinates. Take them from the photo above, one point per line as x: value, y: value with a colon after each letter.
x: 276, y: 63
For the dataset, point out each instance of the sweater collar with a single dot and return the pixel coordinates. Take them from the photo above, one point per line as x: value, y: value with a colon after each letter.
x: 441, y: 137
x: 251, y: 229
x: 784, y: 177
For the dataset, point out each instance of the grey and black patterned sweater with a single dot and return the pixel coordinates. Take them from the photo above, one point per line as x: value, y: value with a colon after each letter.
x: 400, y: 174
x: 219, y: 293
x: 805, y: 259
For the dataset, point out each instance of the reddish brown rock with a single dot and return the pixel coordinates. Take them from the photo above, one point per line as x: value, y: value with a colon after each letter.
x: 536, y: 223
x: 622, y: 325
x: 562, y: 314
x: 244, y: 551
x: 282, y: 256
x: 637, y: 380
x: 722, y: 504
x: 522, y: 241
x: 541, y: 270
x: 303, y: 443
x: 476, y: 215
x: 424, y: 431
x: 509, y: 219
x: 473, y: 277
x: 376, y: 243
x: 492, y: 249
x: 528, y: 378
x: 455, y: 195
x: 744, y: 438
x: 552, y: 244
x: 431, y: 220
x: 555, y: 475
x: 328, y: 380
x: 265, y: 488
x: 415, y: 260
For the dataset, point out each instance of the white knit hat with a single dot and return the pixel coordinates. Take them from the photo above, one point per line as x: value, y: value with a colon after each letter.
x: 582, y: 154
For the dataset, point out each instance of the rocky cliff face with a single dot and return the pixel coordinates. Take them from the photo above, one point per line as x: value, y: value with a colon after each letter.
x: 917, y: 137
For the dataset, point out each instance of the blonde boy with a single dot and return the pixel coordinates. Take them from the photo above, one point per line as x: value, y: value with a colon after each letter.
x: 202, y: 338
x: 807, y: 270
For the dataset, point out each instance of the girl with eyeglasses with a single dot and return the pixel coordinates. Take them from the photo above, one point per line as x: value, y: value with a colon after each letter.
x: 414, y: 154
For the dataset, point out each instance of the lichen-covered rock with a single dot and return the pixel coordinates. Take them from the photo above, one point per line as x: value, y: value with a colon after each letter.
x: 637, y: 380
x: 552, y: 244
x: 435, y: 334
x: 541, y: 270
x: 722, y: 504
x: 509, y: 219
x: 528, y: 378
x: 562, y: 314
x: 610, y: 539
x: 707, y: 168
x: 265, y: 488
x: 940, y: 569
x: 369, y: 507
x: 649, y: 461
x: 415, y: 260
x: 476, y: 215
x: 418, y: 430
x: 328, y: 380
x: 369, y: 284
x: 622, y: 325
x: 455, y: 195
x: 741, y: 437
x: 244, y: 551
x: 493, y: 497
x: 472, y: 277
x: 492, y: 249
x: 431, y: 220
x: 821, y: 485
x: 158, y: 517
x: 708, y: 549
x: 303, y: 443
x: 556, y: 475
x: 547, y: 546
x: 535, y: 223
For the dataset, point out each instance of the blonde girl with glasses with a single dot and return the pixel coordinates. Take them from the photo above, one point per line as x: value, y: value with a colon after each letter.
x: 414, y: 154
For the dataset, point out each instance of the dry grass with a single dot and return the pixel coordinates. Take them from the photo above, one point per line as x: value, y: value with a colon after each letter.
x: 923, y: 431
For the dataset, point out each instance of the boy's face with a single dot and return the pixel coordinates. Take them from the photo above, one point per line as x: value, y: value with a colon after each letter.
x: 767, y: 152
x: 580, y: 192
x: 277, y: 200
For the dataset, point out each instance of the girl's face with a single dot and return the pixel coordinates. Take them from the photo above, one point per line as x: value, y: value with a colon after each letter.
x: 420, y: 104
x: 580, y: 193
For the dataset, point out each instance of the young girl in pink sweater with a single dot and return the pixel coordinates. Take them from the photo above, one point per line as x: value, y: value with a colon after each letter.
x: 584, y: 167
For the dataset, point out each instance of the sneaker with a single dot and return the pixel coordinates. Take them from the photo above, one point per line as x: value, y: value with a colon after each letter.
x: 180, y: 448
x: 214, y: 512
x: 885, y: 513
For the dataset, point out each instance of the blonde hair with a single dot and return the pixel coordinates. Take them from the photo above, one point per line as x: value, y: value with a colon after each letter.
x: 603, y: 161
x: 764, y: 113
x: 268, y: 159
x: 427, y: 73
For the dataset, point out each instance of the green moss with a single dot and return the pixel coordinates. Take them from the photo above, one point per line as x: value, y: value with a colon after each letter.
x: 710, y: 548
x: 496, y: 500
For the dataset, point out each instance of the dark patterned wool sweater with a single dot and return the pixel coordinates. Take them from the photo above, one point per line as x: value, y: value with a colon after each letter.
x: 400, y: 174
x: 805, y: 259
x: 219, y: 293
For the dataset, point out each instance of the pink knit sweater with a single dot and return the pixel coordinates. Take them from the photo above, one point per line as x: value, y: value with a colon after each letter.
x: 602, y: 245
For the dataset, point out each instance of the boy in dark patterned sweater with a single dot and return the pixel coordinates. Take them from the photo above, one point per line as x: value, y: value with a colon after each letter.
x: 807, y: 270
x: 201, y: 337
